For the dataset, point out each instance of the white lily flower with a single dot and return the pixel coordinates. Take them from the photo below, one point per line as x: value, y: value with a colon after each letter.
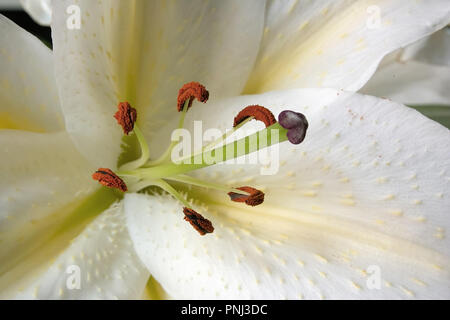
x: 367, y: 189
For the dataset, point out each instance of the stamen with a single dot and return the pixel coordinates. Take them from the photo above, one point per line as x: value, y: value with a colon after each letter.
x: 126, y: 116
x: 296, y: 124
x: 258, y: 113
x: 109, y: 179
x: 190, y: 91
x: 255, y: 198
x: 202, y: 225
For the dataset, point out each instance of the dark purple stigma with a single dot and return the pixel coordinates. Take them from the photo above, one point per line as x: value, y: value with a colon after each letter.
x: 296, y: 124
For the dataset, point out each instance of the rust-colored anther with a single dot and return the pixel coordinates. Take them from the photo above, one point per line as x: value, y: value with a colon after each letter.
x: 258, y: 112
x: 126, y: 116
x: 109, y: 179
x: 255, y: 198
x: 202, y: 225
x: 191, y: 91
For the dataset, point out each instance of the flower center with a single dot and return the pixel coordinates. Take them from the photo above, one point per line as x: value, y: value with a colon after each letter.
x: 144, y: 172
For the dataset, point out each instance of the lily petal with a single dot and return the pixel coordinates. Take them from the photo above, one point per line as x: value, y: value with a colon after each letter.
x: 28, y: 94
x: 363, y: 198
x: 39, y: 10
x: 42, y: 176
x: 143, y: 52
x: 337, y: 44
x: 99, y: 264
x: 417, y: 74
x: 412, y: 83
x: 46, y: 199
x: 434, y: 49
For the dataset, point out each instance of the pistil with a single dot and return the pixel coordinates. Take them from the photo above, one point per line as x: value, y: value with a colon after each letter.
x: 259, y: 140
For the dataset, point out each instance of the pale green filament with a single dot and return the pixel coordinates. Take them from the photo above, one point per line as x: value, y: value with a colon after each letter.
x: 159, y: 183
x: 169, y: 189
x: 140, y: 185
x: 166, y: 155
x: 228, y: 134
x: 145, y: 153
x: 192, y: 181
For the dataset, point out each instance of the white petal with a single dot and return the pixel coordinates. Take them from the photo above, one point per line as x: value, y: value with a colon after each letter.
x: 411, y: 82
x: 99, y: 264
x: 367, y: 187
x: 28, y: 94
x: 41, y: 176
x: 337, y: 44
x: 39, y: 10
x: 434, y: 49
x: 143, y: 52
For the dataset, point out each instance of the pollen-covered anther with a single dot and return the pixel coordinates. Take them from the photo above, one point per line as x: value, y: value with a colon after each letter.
x: 255, y: 197
x: 109, y: 179
x: 191, y: 91
x: 202, y: 225
x: 126, y: 116
x: 258, y: 113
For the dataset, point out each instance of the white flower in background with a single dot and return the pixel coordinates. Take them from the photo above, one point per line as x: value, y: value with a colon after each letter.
x: 40, y: 10
x: 367, y: 190
x: 416, y: 75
